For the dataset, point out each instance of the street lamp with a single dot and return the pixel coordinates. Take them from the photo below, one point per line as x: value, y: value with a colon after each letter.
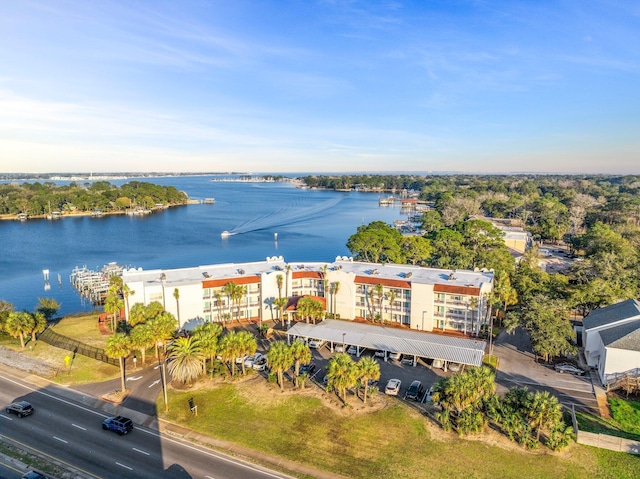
x: 163, y: 381
x: 343, y: 335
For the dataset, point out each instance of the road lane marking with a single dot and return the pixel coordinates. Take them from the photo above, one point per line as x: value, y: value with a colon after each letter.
x: 134, y: 378
x: 210, y: 477
x: 6, y: 417
x: 141, y: 451
x: 126, y: 467
x: 61, y: 440
x: 79, y: 427
x: 154, y: 383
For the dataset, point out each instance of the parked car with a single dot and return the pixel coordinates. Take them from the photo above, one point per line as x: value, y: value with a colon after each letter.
x: 307, y: 368
x: 352, y: 350
x: 120, y: 424
x: 380, y: 353
x: 249, y: 361
x: 569, y: 368
x: 395, y: 356
x: 437, y: 364
x: 455, y: 367
x: 260, y: 364
x: 393, y: 387
x: 372, y: 383
x: 415, y: 391
x: 339, y: 348
x: 316, y: 343
x: 33, y: 475
x: 407, y: 360
x: 20, y: 408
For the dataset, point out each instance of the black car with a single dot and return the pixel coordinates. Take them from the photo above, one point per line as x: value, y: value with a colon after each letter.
x: 308, y: 368
x: 20, y: 408
x: 120, y: 424
x: 415, y: 391
x: 34, y: 475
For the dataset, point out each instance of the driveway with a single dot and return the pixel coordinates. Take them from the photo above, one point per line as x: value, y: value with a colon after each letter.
x: 518, y: 367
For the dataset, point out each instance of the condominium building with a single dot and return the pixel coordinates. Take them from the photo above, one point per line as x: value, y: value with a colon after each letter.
x: 419, y: 298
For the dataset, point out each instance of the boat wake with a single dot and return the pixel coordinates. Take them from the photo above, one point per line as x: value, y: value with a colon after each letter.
x: 285, y: 216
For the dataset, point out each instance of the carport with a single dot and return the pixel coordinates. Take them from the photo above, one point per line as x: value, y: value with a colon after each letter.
x: 393, y: 340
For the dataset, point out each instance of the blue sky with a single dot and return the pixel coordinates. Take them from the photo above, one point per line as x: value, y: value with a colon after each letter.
x: 310, y: 86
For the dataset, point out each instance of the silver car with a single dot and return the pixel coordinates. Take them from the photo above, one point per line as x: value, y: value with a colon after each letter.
x: 569, y: 368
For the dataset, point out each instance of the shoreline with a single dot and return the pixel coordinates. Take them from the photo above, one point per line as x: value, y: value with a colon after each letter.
x: 80, y: 214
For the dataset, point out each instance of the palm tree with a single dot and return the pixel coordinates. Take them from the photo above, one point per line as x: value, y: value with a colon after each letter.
x: 113, y: 304
x: 287, y: 270
x: 325, y: 281
x: 142, y: 339
x: 230, y: 349
x: 119, y: 346
x: 544, y: 411
x: 247, y: 345
x: 126, y: 292
x: 218, y: 295
x: 280, y: 359
x: 19, y: 325
x: 137, y: 315
x: 176, y: 295
x: 208, y: 335
x: 162, y: 329
x: 379, y: 291
x: 279, y: 283
x: 367, y: 369
x: 230, y: 290
x: 48, y: 307
x: 153, y: 310
x: 39, y: 325
x: 301, y: 354
x: 185, y: 359
x: 341, y: 374
x: 239, y: 293
x: 281, y: 303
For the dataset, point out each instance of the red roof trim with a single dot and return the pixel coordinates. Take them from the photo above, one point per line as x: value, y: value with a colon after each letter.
x: 445, y: 288
x: 392, y: 283
x: 306, y: 274
x: 215, y: 283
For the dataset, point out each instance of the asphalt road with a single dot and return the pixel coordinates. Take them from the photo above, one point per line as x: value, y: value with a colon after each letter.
x: 518, y: 367
x: 71, y: 433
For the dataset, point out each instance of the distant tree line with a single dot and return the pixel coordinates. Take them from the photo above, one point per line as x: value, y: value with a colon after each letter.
x: 43, y: 198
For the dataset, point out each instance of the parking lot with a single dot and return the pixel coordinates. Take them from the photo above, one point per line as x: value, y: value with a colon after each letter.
x: 391, y: 369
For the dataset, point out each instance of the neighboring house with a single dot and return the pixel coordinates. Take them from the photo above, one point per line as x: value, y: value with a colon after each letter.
x: 419, y: 298
x: 611, y: 339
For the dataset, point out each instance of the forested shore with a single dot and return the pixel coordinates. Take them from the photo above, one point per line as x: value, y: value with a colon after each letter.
x: 42, y: 199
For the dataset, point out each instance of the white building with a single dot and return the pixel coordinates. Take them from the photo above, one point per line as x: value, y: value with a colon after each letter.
x: 611, y: 339
x: 419, y: 298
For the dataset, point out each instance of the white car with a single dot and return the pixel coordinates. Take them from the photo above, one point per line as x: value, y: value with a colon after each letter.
x: 249, y: 361
x: 316, y: 343
x: 260, y: 364
x: 379, y: 353
x: 455, y: 367
x: 339, y: 348
x: 393, y: 387
x: 352, y: 350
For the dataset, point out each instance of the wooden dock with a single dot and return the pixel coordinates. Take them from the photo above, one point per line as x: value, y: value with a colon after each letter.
x: 94, y: 284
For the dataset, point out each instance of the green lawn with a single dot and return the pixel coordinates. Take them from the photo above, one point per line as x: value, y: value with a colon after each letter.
x: 625, y: 421
x: 395, y: 442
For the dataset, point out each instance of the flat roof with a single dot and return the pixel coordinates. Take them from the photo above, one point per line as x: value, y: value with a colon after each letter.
x: 395, y: 340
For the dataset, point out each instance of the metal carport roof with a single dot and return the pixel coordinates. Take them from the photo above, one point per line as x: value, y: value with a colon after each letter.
x: 413, y: 343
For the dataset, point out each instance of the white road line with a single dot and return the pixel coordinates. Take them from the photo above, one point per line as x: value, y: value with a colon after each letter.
x: 6, y: 417
x: 141, y: 451
x: 79, y: 427
x: 209, y: 477
x: 61, y: 440
x: 126, y: 467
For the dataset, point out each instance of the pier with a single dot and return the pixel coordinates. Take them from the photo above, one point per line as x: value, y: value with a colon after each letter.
x: 94, y: 284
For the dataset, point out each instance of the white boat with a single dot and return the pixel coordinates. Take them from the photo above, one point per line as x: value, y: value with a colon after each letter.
x: 225, y: 234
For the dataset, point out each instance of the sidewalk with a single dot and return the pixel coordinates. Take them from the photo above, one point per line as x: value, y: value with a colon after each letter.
x: 168, y: 428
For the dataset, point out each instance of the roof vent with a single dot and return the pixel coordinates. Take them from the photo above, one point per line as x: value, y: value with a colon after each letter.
x: 408, y: 275
x: 240, y: 271
x: 451, y: 276
x: 205, y: 274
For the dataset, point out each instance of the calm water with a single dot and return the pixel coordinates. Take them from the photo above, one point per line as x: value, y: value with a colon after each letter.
x: 311, y: 226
